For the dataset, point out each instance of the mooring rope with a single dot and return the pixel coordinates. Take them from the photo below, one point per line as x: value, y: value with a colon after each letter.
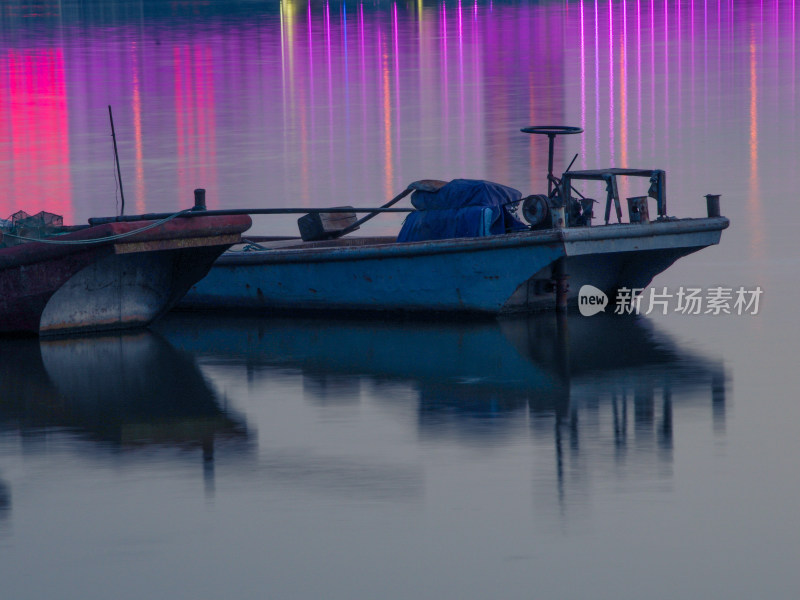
x: 109, y: 238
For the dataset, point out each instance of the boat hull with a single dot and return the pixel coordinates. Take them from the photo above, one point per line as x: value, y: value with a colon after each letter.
x: 57, y: 289
x: 491, y: 275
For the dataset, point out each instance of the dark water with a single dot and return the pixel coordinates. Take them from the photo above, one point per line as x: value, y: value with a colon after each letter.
x: 224, y: 456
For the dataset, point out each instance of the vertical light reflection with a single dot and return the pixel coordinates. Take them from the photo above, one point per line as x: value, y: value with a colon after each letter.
x: 396, y: 50
x: 652, y: 135
x: 34, y: 134
x: 596, y: 82
x: 611, y: 108
x: 311, y: 76
x: 346, y: 64
x: 327, y: 25
x: 139, y: 187
x: 754, y: 199
x: 445, y: 81
x: 180, y: 118
x: 693, y: 67
x: 387, y: 118
x: 666, y: 73
x: 476, y: 49
x: 287, y: 22
x: 679, y: 27
x: 283, y: 8
x: 623, y: 88
x: 461, y: 87
x: 583, y: 82
x: 305, y: 103
x: 208, y: 129
x: 204, y: 113
x: 363, y: 70
x: 638, y: 78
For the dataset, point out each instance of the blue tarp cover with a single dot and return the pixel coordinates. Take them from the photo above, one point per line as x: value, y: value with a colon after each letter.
x: 462, y: 208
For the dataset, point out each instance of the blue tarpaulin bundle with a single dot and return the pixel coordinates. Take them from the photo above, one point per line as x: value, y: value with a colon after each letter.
x: 462, y: 208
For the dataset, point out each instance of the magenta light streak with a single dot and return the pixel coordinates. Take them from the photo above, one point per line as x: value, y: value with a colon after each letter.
x: 34, y: 128
x: 680, y: 65
x: 327, y: 24
x: 624, y: 87
x: 596, y: 81
x: 611, y: 126
x: 462, y: 113
x: 692, y: 65
x: 180, y: 125
x: 639, y: 77
x: 310, y: 77
x: 396, y: 47
x: 443, y: 59
x: 476, y: 93
x: 346, y: 65
x: 666, y: 73
x: 283, y: 64
x: 363, y: 69
x: 583, y: 84
x: 386, y: 104
x: 136, y: 102
x: 652, y: 135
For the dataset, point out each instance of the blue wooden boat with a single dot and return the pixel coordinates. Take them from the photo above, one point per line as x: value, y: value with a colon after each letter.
x: 543, y: 266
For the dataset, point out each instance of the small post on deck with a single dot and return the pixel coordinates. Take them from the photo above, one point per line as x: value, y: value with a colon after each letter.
x: 199, y: 199
x: 712, y: 204
x: 561, y: 285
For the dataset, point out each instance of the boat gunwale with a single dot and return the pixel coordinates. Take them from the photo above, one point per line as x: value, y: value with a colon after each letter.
x: 457, y: 245
x: 199, y: 227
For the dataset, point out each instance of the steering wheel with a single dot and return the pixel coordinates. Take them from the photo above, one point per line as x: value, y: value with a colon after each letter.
x: 552, y: 130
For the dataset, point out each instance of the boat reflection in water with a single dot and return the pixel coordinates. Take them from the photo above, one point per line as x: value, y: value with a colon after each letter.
x: 5, y: 500
x: 123, y: 391
x: 583, y: 384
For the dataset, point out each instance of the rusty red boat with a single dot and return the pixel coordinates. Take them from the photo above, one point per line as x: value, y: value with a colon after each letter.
x: 106, y: 276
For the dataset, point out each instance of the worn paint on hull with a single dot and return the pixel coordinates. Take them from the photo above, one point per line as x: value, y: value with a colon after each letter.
x: 492, y: 274
x: 55, y: 289
x: 122, y: 291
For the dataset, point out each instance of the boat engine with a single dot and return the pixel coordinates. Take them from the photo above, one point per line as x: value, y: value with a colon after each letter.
x: 536, y: 211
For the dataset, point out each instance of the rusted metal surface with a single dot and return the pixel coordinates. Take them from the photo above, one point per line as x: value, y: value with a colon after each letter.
x: 121, y: 291
x: 658, y: 186
x: 47, y: 288
x: 192, y: 242
x: 637, y: 210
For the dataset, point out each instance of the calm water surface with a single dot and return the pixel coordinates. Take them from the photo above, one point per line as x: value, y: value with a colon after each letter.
x: 237, y: 456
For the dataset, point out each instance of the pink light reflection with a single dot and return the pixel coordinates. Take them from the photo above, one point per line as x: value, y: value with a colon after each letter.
x: 34, y: 129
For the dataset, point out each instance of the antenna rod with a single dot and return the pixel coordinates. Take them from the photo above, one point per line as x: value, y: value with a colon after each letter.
x: 116, y: 158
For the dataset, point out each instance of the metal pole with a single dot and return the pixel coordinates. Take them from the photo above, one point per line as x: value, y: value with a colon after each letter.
x: 116, y: 159
x: 244, y: 211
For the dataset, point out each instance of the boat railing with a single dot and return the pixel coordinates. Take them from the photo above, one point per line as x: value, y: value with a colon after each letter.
x: 637, y: 204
